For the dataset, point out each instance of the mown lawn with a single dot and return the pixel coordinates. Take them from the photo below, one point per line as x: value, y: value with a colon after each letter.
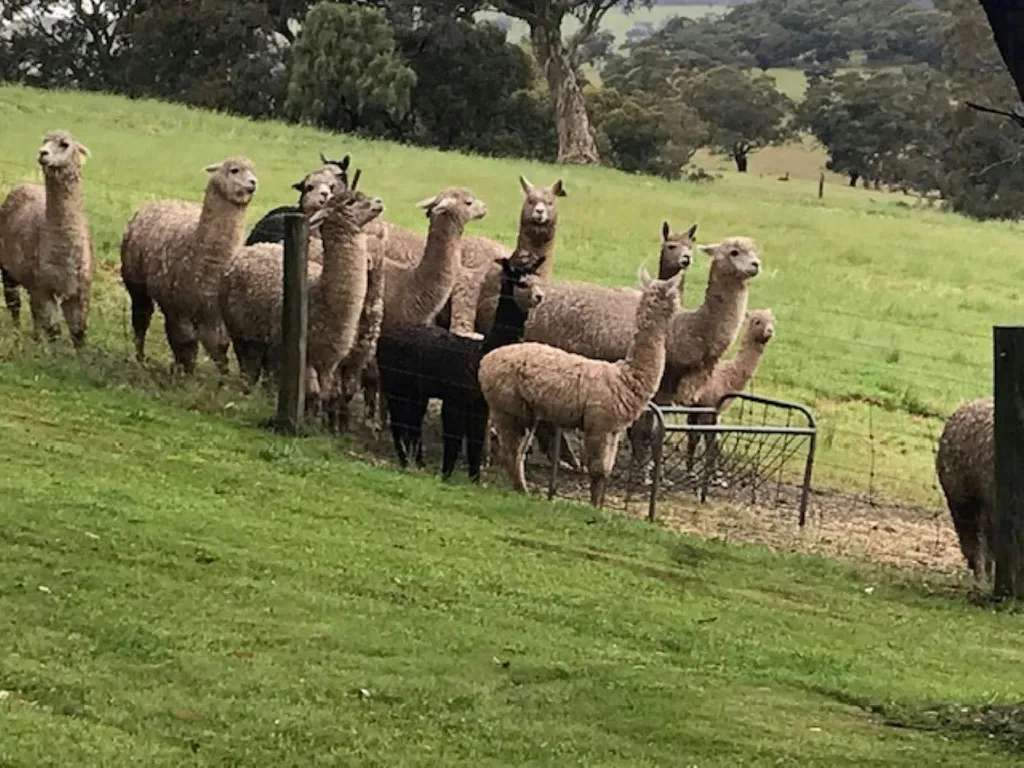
x: 180, y: 588
x: 884, y: 311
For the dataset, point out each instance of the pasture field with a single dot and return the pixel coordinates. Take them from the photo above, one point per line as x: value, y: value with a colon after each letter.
x: 884, y: 312
x: 178, y: 586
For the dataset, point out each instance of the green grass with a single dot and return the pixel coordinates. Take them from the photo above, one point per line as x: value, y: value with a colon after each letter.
x: 883, y: 311
x: 179, y: 588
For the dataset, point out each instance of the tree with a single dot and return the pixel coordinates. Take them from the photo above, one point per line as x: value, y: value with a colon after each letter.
x: 559, y: 58
x: 489, y: 109
x: 346, y: 74
x: 743, y: 113
x: 641, y: 134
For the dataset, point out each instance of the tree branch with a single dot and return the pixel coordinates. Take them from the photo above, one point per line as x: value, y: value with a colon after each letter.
x: 1017, y: 118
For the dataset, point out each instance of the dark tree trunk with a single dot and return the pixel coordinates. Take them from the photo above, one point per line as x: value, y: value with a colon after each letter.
x: 853, y: 179
x: 576, y: 145
x: 741, y: 162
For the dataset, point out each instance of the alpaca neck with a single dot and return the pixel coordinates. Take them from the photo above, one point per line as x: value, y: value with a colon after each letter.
x: 734, y: 375
x: 509, y: 320
x: 645, y: 362
x: 715, y: 323
x: 441, y: 257
x: 218, y: 234
x: 65, y: 212
x: 344, y: 257
x: 539, y: 240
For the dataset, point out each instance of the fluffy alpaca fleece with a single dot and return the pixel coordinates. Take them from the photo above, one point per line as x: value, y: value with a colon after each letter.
x: 420, y: 362
x: 174, y: 253
x: 251, y: 295
x: 414, y: 294
x: 965, y: 463
x: 45, y: 243
x: 538, y: 225
x: 529, y: 382
x: 732, y: 375
x: 352, y: 373
x: 315, y: 189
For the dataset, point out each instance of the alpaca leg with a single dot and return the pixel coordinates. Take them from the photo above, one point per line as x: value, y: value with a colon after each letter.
x: 417, y: 413
x: 966, y: 514
x: 601, y: 450
x: 12, y: 296
x: 476, y: 435
x: 184, y: 344
x: 44, y: 315
x: 398, y: 435
x: 76, y: 315
x: 465, y: 294
x: 513, y: 438
x: 453, y: 426
x: 142, y: 315
x: 250, y: 356
x: 216, y: 342
x: 545, y: 434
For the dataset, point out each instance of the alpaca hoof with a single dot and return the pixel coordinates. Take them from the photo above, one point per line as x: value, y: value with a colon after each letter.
x: 469, y: 335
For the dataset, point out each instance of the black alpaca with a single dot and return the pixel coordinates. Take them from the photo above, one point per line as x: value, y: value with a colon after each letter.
x: 419, y: 362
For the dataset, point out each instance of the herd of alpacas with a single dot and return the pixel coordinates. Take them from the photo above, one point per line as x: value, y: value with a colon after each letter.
x: 406, y: 318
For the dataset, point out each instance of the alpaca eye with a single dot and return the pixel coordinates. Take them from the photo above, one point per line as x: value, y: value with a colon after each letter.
x: 734, y: 252
x: 234, y: 171
x: 64, y: 145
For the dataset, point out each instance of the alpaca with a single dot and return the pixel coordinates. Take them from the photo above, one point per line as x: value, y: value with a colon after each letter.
x: 965, y: 463
x: 538, y: 224
x: 414, y: 294
x: 529, y: 382
x: 338, y: 167
x: 315, y: 189
x: 45, y: 243
x: 173, y: 253
x: 730, y: 376
x: 419, y: 362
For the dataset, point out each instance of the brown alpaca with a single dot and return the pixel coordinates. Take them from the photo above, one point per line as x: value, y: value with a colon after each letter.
x: 535, y: 243
x: 174, y: 253
x: 45, y: 243
x: 731, y: 375
x: 415, y: 294
x: 528, y: 382
x: 965, y: 462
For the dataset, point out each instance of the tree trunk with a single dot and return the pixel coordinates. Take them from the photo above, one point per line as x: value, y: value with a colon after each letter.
x: 853, y: 179
x: 741, y: 162
x: 576, y: 145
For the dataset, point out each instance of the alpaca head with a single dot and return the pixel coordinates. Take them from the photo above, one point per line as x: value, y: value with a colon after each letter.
x: 338, y: 167
x: 520, y: 277
x: 62, y: 152
x: 233, y: 179
x: 539, y: 205
x: 315, y: 190
x: 456, y: 203
x: 734, y: 257
x: 349, y: 210
x: 659, y: 300
x: 676, y: 250
x: 760, y: 326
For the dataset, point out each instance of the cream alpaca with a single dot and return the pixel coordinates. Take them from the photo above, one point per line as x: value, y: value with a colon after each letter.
x: 45, y: 243
x: 528, y: 382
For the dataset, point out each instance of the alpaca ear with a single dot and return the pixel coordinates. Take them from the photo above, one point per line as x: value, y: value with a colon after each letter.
x: 643, y: 276
x: 525, y: 184
x: 664, y: 230
x: 324, y: 160
x: 691, y: 232
x: 536, y: 265
x: 558, y: 189
x: 299, y: 186
x: 427, y: 202
x: 709, y: 249
x: 213, y: 167
x: 441, y: 205
x: 83, y: 150
x: 344, y: 163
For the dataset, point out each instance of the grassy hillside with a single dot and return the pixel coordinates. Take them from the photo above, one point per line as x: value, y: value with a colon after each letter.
x: 177, y: 588
x: 884, y: 311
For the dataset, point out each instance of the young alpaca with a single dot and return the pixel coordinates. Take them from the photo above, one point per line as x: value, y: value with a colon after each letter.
x: 174, y: 253
x: 315, y: 190
x: 965, y: 463
x: 420, y: 362
x: 731, y: 376
x: 414, y: 294
x: 531, y: 382
x: 45, y: 243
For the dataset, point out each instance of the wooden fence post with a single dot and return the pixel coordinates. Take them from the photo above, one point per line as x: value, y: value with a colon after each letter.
x: 821, y: 185
x: 291, y: 401
x: 1008, y: 348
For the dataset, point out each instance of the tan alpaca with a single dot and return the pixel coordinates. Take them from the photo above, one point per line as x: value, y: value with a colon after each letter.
x: 45, y: 243
x: 174, y: 253
x: 731, y: 375
x: 529, y: 382
x: 415, y: 294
